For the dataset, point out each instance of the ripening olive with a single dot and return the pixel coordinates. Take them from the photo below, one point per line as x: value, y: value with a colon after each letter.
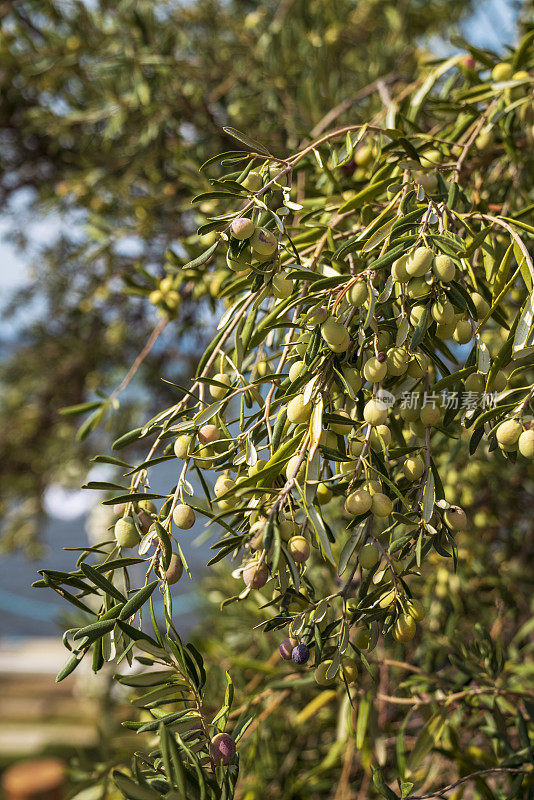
x: 298, y: 411
x: 418, y: 288
x: 222, y: 749
x: 253, y: 182
x: 335, y: 335
x: 456, y: 518
x: 397, y: 361
x: 418, y: 366
x: 502, y: 71
x: 286, y: 648
x: 475, y: 382
x: 443, y: 312
x: 256, y: 530
x: 358, y: 294
x: 362, y: 637
x: 218, y: 392
x: 355, y: 448
x: 282, y: 286
x: 508, y: 434
x: 419, y: 261
x: 398, y: 270
x: 295, y: 370
x: 174, y: 570
x: 374, y: 414
x: 428, y: 180
x: 299, y: 547
x: 300, y: 654
x: 358, y: 502
x: 340, y: 427
x: 380, y: 434
x: 302, y: 344
x: 292, y: 465
x: 263, y: 368
x: 288, y: 528
x: 203, y: 457
x: 183, y: 516
x: 410, y: 414
x: 445, y: 331
x: 350, y: 669
x: 255, y: 575
x: 323, y: 494
x: 416, y: 314
x: 181, y: 446
x: 209, y: 434
x: 404, y: 629
x: 418, y: 429
x: 381, y: 505
x: 525, y: 443
x: 463, y: 332
x: 372, y: 486
x: 413, y: 468
x: 126, y: 533
x: 374, y: 371
x: 482, y: 307
x: 148, y: 506
x: 364, y: 155
x: 223, y: 484
x: 144, y: 521
x: 344, y: 467
x: 317, y: 316
x: 416, y: 609
x: 443, y: 268
x: 368, y: 556
x: 263, y: 242
x: 430, y: 415
x: 242, y: 228
x: 237, y: 263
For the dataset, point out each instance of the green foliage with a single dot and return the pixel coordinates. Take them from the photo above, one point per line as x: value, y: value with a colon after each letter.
x: 377, y: 240
x: 107, y: 109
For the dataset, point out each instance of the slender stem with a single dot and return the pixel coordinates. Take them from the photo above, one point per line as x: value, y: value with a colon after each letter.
x: 158, y: 330
x: 466, y: 778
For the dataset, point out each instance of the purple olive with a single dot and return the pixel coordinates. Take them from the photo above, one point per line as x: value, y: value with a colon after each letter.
x: 300, y: 654
x: 286, y: 648
x: 222, y: 749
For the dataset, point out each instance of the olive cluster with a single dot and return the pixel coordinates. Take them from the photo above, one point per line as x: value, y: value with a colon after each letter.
x: 329, y: 346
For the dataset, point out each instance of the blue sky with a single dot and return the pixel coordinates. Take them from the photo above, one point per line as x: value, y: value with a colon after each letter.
x: 492, y: 25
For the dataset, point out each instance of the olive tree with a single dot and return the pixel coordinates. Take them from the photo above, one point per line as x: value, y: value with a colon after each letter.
x: 106, y: 111
x: 375, y: 290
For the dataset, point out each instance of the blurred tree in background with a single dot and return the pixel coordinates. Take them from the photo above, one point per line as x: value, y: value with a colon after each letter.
x: 106, y: 111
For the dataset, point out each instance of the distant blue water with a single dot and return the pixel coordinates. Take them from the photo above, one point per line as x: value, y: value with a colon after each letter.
x: 25, y: 611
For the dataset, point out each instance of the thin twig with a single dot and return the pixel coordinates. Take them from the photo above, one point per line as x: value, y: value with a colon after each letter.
x: 491, y: 771
x: 160, y: 327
